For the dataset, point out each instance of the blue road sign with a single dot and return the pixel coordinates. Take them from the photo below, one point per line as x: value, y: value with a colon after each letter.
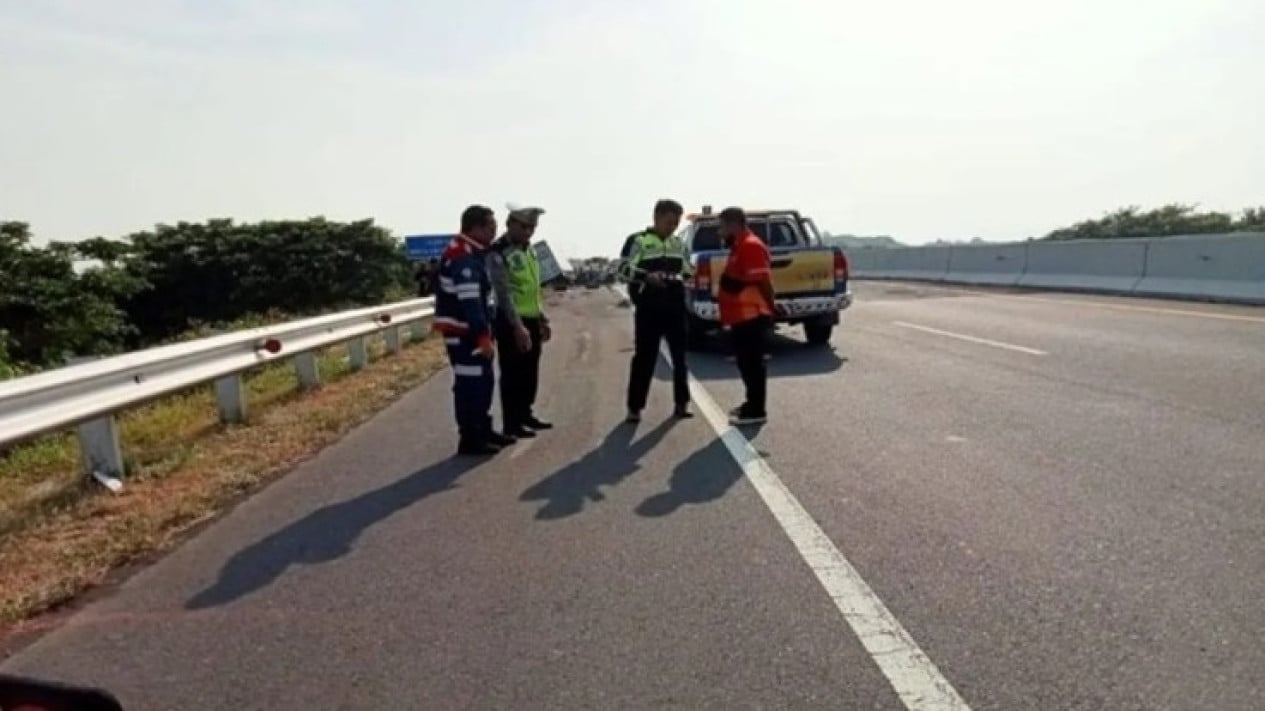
x: 421, y: 248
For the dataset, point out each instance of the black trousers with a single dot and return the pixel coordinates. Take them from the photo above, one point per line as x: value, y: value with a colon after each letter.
x: 656, y: 321
x: 750, y: 343
x: 520, y: 372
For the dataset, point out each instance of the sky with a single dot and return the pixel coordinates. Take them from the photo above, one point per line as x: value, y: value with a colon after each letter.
x: 920, y: 119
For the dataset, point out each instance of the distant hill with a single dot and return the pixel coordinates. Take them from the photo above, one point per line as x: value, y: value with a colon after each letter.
x: 860, y: 241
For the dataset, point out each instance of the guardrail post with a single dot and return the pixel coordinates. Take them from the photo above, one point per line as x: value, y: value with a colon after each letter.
x: 99, y: 448
x: 230, y: 396
x: 418, y: 331
x: 358, y: 353
x: 392, y: 337
x: 306, y: 368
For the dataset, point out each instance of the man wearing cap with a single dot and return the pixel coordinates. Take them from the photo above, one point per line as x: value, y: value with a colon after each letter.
x: 520, y: 322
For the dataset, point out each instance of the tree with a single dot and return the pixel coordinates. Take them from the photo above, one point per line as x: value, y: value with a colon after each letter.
x: 48, y: 310
x: 7, y: 368
x: 220, y: 271
x: 99, y: 296
x: 1169, y: 220
x: 1253, y: 220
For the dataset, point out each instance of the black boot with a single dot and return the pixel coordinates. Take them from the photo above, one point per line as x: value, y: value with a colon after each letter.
x: 537, y: 424
x: 477, y: 448
x: 518, y: 432
x: 499, y: 440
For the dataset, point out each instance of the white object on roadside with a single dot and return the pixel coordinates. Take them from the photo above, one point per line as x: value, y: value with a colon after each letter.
x: 113, y: 484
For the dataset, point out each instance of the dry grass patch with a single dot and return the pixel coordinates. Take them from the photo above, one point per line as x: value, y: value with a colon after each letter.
x: 60, y: 534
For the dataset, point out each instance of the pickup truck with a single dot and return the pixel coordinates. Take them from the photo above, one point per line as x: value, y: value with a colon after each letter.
x: 810, y: 280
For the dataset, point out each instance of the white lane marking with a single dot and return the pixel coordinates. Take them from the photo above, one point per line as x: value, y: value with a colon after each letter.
x: 1146, y: 309
x: 972, y: 339
x: 912, y: 674
x: 522, y: 448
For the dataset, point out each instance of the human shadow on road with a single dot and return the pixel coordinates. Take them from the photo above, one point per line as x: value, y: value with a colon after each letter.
x: 615, y: 459
x: 704, y: 476
x: 325, y: 534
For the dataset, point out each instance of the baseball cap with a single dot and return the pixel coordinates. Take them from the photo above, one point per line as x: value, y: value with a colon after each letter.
x: 524, y: 213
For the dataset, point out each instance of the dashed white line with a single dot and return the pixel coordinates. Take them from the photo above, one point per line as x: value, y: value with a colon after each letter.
x: 971, y: 339
x: 914, y: 677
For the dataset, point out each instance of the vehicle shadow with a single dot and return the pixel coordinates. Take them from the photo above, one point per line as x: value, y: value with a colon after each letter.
x: 703, y: 477
x: 564, y: 492
x: 788, y: 357
x: 325, y: 534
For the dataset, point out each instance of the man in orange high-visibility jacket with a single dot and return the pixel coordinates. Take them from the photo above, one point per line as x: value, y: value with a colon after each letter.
x: 463, y: 315
x: 746, y: 308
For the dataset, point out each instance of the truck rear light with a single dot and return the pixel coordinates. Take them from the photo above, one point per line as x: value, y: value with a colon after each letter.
x: 841, y: 266
x: 703, y: 275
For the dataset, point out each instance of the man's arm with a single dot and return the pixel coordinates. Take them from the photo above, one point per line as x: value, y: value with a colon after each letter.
x: 629, y: 266
x: 759, y: 272
x: 764, y: 278
x: 499, y: 276
x: 626, y: 250
x: 470, y: 295
x: 766, y: 290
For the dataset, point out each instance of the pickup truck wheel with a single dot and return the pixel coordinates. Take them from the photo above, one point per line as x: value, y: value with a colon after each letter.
x: 696, y: 334
x: 818, y: 333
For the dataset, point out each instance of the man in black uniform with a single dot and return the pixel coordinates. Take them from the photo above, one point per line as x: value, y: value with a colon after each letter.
x: 656, y: 268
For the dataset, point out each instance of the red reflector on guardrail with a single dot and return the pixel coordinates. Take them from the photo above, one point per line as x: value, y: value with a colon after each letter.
x: 272, y: 345
x: 385, y: 318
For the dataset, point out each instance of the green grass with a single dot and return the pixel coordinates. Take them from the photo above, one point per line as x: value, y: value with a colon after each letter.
x: 60, y: 532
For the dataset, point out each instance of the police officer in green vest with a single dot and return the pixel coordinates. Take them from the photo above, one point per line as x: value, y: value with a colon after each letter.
x: 521, y: 327
x: 656, y: 267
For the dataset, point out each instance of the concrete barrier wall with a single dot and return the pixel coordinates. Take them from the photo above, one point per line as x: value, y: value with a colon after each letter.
x: 863, y: 260
x: 1222, y: 267
x: 1086, y: 265
x: 927, y: 263
x: 1000, y: 264
x: 1228, y: 267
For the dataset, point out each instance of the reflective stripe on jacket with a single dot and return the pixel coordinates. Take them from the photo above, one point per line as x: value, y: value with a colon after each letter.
x: 461, y: 299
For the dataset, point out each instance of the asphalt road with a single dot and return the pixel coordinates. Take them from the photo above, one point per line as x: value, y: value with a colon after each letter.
x: 1058, y: 500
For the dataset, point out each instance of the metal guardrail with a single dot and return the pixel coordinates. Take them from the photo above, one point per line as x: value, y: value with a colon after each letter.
x: 88, y: 395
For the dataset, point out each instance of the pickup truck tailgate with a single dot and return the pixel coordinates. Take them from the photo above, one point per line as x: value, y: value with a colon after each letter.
x: 796, y: 270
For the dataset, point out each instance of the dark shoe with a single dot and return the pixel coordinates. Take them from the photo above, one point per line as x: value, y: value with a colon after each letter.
x: 497, y: 439
x: 634, y: 416
x: 682, y: 412
x: 536, y: 424
x: 519, y: 433
x: 477, y: 449
x: 743, y: 416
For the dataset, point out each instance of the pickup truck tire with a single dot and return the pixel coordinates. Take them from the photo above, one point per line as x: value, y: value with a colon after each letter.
x: 817, y: 333
x: 696, y: 334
